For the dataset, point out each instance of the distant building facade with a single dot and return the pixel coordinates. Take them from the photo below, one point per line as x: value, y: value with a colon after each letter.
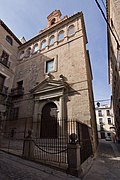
x: 105, y: 121
x: 52, y: 79
x: 113, y: 17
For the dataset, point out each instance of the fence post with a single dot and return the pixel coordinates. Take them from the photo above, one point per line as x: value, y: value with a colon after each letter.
x: 73, y: 155
x: 28, y: 150
x: 0, y: 136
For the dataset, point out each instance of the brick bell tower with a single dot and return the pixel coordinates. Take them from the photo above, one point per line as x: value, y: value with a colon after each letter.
x: 54, y: 17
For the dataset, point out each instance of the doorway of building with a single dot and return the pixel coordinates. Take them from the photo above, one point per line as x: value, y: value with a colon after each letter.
x: 102, y: 135
x: 49, y: 121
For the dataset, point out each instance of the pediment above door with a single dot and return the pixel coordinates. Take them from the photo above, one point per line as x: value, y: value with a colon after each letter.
x: 49, y: 85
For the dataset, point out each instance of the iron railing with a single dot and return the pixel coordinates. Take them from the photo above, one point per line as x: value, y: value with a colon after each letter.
x: 46, y: 149
x: 52, y: 149
x: 13, y: 133
x: 17, y: 91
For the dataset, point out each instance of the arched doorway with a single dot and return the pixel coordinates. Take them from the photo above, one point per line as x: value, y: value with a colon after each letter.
x: 49, y: 121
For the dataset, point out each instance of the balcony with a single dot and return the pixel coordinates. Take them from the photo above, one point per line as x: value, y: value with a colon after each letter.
x: 19, y: 91
x: 4, y: 62
x: 3, y: 90
x: 100, y: 114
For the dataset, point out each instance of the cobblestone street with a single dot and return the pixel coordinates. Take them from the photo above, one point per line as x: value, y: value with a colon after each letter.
x: 15, y: 168
x: 106, y: 165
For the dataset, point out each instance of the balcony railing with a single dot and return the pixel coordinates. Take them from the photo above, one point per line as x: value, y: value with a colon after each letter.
x: 3, y: 90
x: 17, y: 91
x: 4, y: 62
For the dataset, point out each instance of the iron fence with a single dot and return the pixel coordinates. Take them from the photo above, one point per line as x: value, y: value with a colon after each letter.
x: 85, y: 140
x: 51, y: 148
x: 13, y: 133
x: 50, y: 145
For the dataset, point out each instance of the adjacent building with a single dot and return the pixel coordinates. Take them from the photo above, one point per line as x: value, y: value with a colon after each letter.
x: 105, y: 121
x: 113, y: 31
x: 8, y: 58
x: 49, y: 78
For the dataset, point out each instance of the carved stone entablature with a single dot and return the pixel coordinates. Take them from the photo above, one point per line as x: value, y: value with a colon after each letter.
x: 49, y: 88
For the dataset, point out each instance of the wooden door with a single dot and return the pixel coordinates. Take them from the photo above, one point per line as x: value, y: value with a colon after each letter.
x: 49, y: 121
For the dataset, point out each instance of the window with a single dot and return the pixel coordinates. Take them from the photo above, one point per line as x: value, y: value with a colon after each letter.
x: 28, y: 51
x: 50, y: 66
x: 4, y: 58
x: 19, y: 84
x: 52, y: 40
x: 2, y: 80
x: 43, y: 44
x: 22, y: 55
x: 100, y: 121
x: 109, y: 121
x: 108, y: 112
x: 71, y: 30
x: 99, y: 113
x: 61, y: 35
x: 35, y: 48
x: 9, y: 40
x: 13, y: 115
x: 53, y: 21
x: 101, y: 127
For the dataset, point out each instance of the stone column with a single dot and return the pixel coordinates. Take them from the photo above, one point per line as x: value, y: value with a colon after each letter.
x: 61, y: 117
x: 35, y: 117
x: 61, y: 107
x: 65, y: 34
x: 28, y: 149
x: 73, y: 154
x: 0, y: 136
x: 39, y: 124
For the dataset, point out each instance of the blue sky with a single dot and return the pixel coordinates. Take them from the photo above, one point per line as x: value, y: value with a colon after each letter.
x: 27, y: 17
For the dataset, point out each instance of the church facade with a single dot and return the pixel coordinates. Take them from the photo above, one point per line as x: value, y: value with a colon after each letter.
x: 51, y: 79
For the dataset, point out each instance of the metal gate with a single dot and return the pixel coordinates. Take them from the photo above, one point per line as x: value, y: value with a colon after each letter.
x: 84, y: 137
x: 53, y: 148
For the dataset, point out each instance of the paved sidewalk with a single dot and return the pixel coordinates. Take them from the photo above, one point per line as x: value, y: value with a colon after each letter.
x: 15, y: 168
x: 106, y: 165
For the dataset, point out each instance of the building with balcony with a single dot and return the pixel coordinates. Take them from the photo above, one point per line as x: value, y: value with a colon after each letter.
x: 113, y: 32
x: 105, y: 121
x: 51, y: 79
x: 8, y: 58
